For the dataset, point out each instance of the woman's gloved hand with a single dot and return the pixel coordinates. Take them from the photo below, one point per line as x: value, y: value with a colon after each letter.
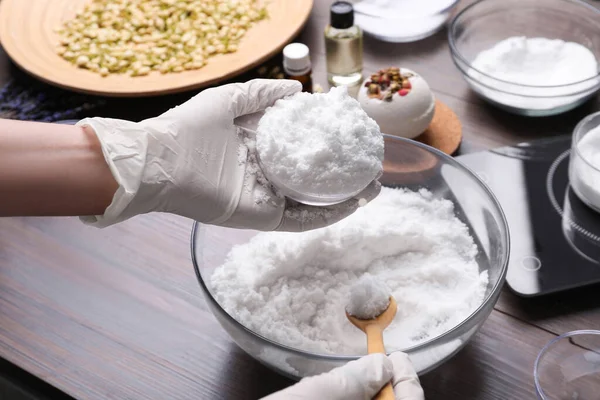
x: 192, y: 161
x: 359, y: 380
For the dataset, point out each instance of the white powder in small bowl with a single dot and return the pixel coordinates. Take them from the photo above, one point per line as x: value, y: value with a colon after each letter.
x: 584, y: 170
x: 293, y: 288
x: 369, y: 297
x: 321, y: 145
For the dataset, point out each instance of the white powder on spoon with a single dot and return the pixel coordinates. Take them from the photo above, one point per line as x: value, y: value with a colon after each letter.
x: 319, y: 144
x: 293, y: 288
x: 369, y: 297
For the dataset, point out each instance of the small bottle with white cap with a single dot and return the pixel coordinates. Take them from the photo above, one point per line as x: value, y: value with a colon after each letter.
x: 296, y: 65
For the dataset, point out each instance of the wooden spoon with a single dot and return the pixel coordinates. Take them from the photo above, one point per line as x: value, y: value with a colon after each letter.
x: 374, y: 330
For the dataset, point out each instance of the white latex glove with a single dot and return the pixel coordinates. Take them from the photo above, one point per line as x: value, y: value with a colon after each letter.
x: 192, y: 161
x: 359, y: 380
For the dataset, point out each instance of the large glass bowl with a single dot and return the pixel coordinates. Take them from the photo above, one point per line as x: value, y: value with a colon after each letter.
x: 407, y: 164
x: 483, y: 24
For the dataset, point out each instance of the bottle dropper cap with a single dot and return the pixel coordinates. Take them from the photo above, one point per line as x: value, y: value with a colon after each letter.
x: 296, y: 59
x: 341, y: 15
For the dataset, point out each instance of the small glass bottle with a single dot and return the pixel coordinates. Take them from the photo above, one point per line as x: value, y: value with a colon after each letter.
x: 296, y: 65
x: 343, y: 46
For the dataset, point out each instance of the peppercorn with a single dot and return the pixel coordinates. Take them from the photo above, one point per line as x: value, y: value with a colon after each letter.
x: 373, y: 90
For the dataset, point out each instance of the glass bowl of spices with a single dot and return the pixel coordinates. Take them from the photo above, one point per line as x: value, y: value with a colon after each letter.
x: 568, y: 367
x: 435, y: 235
x: 402, y: 21
x: 529, y: 57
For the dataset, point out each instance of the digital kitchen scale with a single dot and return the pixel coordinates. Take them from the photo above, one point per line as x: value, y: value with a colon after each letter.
x: 555, y: 237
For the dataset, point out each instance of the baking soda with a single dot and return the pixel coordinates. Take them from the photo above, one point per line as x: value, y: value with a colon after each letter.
x: 537, y: 62
x: 369, y: 297
x: 402, y: 19
x: 400, y: 8
x: 585, y: 169
x: 293, y: 288
x: 319, y: 144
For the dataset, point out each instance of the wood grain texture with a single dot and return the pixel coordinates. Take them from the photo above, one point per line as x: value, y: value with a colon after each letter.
x: 496, y: 365
x: 112, y: 313
x: 556, y: 313
x: 117, y: 313
x: 27, y: 33
x: 445, y: 131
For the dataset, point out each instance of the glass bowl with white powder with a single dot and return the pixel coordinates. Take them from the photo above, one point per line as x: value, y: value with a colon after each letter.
x: 318, y: 149
x: 529, y: 57
x: 435, y: 235
x: 402, y: 21
x: 584, y: 164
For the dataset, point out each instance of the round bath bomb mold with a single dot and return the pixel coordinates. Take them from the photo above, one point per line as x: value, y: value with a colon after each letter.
x: 319, y: 146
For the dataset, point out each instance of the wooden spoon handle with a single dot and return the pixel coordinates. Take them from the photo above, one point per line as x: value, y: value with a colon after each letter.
x: 375, y: 345
x: 386, y: 393
x: 374, y: 339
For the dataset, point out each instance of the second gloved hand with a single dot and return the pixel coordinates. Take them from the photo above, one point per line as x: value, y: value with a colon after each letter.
x: 359, y: 380
x: 191, y: 161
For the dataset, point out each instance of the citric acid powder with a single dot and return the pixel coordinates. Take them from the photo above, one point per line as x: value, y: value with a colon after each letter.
x: 320, y: 144
x: 293, y: 288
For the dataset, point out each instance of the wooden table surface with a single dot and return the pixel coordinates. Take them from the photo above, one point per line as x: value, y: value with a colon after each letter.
x: 118, y: 314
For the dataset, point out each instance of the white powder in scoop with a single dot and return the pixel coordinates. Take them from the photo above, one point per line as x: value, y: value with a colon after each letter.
x: 262, y: 191
x: 369, y: 297
x: 293, y: 288
x: 583, y: 172
x: 319, y: 144
x: 534, y: 62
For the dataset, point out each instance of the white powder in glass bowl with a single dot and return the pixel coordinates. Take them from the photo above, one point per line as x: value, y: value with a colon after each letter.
x: 320, y: 144
x: 534, y: 73
x: 293, y: 288
x: 584, y: 171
